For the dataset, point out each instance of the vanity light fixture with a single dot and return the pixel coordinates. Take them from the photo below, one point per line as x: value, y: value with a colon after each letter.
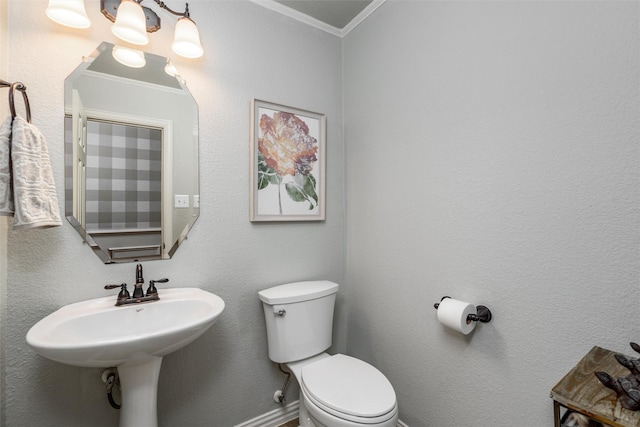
x: 186, y: 41
x: 70, y: 13
x: 132, y: 22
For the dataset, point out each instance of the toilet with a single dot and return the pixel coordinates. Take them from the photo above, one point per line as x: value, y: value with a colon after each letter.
x: 335, y: 391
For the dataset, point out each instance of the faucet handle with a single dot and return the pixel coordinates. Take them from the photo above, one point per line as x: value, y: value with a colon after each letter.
x: 124, y: 293
x: 151, y: 290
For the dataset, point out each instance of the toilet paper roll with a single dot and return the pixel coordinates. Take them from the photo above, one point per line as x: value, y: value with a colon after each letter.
x: 453, y: 314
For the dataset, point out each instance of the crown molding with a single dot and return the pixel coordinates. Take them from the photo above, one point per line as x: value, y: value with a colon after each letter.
x: 298, y: 16
x: 361, y: 16
x: 306, y: 19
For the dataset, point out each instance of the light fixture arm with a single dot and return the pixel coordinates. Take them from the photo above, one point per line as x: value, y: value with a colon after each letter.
x: 168, y: 9
x: 110, y: 7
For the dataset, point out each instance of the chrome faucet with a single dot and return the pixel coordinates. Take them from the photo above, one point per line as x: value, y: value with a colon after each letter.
x: 138, y: 295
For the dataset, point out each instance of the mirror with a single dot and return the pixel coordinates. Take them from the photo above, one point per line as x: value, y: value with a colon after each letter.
x: 131, y: 156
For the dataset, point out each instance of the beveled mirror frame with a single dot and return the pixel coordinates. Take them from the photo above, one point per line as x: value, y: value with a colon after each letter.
x: 157, y: 93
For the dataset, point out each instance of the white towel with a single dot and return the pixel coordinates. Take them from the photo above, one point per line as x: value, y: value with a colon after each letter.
x: 36, y: 203
x: 6, y: 191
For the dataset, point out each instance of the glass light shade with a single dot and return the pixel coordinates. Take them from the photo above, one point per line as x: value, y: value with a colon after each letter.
x: 186, y: 41
x: 130, y: 57
x: 70, y: 13
x: 131, y: 24
x: 170, y: 69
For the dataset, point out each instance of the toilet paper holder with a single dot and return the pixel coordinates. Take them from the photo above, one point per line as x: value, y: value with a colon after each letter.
x: 483, y: 314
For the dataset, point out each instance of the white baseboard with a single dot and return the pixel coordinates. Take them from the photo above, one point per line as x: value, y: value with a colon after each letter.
x: 274, y: 418
x: 280, y: 416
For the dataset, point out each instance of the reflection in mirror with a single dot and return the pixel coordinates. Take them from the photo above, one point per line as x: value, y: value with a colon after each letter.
x: 131, y: 157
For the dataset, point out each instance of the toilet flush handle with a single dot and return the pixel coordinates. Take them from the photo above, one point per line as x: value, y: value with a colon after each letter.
x: 279, y: 311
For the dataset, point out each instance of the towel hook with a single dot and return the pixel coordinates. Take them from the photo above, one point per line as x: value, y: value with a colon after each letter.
x: 22, y: 88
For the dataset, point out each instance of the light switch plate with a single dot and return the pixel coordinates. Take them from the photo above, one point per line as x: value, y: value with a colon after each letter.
x: 181, y: 201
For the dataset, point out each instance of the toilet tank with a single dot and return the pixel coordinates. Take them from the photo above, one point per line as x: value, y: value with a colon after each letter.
x: 299, y: 319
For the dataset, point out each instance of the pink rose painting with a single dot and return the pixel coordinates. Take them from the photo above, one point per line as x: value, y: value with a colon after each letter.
x: 288, y: 160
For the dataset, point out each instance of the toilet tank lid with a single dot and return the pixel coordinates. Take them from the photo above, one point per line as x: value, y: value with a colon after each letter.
x: 298, y: 292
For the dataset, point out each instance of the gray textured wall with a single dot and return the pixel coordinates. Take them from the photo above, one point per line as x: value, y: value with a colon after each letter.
x: 225, y: 377
x: 492, y: 152
x: 492, y: 155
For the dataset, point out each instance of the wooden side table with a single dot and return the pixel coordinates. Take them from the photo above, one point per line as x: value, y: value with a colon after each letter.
x: 581, y: 391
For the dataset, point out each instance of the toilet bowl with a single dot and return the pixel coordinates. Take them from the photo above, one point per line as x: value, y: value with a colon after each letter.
x: 335, y: 391
x: 342, y: 391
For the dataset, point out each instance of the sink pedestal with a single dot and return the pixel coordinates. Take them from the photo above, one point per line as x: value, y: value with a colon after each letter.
x: 139, y: 384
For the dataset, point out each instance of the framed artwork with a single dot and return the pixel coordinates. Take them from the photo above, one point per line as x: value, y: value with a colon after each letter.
x: 288, y: 163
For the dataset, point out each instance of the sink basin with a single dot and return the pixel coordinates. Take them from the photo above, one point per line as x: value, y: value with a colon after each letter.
x: 134, y: 338
x: 96, y: 333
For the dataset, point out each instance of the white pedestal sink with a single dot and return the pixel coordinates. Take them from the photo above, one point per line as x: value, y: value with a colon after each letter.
x: 134, y: 338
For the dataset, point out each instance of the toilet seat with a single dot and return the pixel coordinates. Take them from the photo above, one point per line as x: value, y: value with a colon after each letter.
x: 350, y: 389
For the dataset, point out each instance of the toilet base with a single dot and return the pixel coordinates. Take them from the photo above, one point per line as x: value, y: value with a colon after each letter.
x: 303, y: 415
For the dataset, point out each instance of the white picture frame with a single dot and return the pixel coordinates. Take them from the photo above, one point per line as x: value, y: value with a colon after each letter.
x: 288, y: 163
